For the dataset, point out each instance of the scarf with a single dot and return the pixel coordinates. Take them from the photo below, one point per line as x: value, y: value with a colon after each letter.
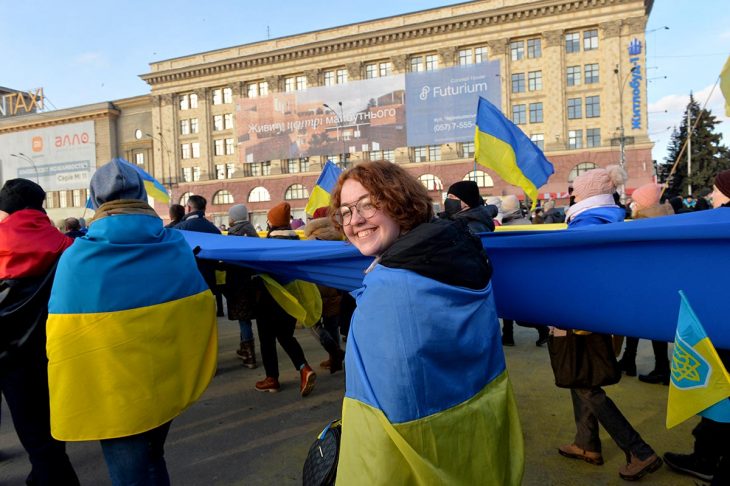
x: 598, y: 201
x: 122, y: 206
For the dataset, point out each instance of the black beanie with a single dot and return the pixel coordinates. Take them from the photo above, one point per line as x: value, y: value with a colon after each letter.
x: 722, y: 182
x: 467, y: 191
x: 19, y: 194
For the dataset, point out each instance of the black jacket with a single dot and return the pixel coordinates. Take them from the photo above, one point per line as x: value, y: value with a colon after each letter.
x: 196, y: 221
x: 442, y: 250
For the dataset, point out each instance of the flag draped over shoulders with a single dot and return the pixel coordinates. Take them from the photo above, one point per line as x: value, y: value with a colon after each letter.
x: 131, y: 330
x: 417, y: 411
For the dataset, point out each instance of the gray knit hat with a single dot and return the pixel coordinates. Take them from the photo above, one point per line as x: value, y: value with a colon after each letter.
x: 116, y: 180
x: 237, y: 213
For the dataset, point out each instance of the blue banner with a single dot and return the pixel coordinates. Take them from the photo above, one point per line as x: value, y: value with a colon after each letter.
x: 440, y: 105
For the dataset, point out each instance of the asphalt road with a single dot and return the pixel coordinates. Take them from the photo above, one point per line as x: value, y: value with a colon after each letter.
x: 235, y: 435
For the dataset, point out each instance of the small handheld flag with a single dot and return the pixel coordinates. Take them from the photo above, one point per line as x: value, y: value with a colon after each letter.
x: 325, y: 184
x: 700, y: 384
x: 501, y: 146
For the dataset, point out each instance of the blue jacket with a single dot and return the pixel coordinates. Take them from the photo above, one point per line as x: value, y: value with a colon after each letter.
x: 599, y: 215
x: 196, y: 221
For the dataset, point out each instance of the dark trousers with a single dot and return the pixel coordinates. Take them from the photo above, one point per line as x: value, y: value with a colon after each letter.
x: 712, y: 445
x: 25, y: 387
x: 273, y: 323
x: 508, y: 327
x: 592, y: 406
x: 328, y: 332
x: 660, y: 348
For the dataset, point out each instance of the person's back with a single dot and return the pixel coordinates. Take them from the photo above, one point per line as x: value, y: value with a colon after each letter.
x: 177, y: 213
x: 195, y: 219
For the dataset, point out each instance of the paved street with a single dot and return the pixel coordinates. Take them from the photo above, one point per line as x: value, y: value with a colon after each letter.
x: 237, y: 436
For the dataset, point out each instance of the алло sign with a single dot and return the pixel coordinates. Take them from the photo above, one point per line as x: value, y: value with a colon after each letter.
x: 636, y: 78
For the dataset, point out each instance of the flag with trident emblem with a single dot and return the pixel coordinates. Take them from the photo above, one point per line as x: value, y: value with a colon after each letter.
x: 700, y: 383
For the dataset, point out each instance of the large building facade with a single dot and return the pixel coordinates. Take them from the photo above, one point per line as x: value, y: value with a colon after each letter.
x: 254, y: 124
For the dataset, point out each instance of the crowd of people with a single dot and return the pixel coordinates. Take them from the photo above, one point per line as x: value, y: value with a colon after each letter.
x: 428, y: 398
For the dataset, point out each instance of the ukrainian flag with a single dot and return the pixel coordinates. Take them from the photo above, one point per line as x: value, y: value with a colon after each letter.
x: 427, y: 404
x: 320, y: 196
x: 131, y: 331
x: 154, y: 188
x: 501, y: 146
x: 700, y: 383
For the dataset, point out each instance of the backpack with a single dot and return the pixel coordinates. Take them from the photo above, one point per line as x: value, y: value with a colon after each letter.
x: 320, y: 467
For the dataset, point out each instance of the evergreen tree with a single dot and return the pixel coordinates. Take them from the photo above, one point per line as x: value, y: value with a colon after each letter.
x: 709, y: 156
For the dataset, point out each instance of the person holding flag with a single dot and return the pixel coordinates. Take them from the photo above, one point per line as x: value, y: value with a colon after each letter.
x: 700, y: 384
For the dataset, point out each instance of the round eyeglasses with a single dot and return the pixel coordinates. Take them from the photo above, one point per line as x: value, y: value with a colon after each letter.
x: 364, y: 206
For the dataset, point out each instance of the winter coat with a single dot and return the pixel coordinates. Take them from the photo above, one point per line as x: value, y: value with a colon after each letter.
x: 479, y: 219
x: 654, y: 211
x: 324, y: 229
x: 196, y: 221
x: 553, y: 216
x: 515, y: 218
x: 240, y: 290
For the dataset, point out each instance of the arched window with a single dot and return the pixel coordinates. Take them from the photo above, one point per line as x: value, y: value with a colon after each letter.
x: 480, y: 177
x: 259, y: 194
x: 184, y: 198
x: 431, y: 182
x: 579, y: 169
x: 296, y: 191
x: 223, y: 197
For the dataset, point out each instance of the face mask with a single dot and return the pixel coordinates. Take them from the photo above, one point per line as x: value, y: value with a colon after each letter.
x: 452, y: 206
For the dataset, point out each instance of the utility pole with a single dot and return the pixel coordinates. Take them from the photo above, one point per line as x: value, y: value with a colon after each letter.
x: 689, y: 152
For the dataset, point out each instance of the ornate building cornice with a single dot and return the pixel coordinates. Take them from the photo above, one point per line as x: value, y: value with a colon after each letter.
x: 60, y: 117
x: 343, y: 45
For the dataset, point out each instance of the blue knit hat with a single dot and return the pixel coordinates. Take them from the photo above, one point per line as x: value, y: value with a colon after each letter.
x: 116, y: 180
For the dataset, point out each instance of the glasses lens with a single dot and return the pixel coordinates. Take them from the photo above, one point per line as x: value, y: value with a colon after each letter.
x: 366, y: 208
x: 343, y: 216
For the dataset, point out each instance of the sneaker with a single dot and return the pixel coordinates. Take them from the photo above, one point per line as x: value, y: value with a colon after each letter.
x: 655, y: 377
x: 308, y: 379
x: 575, y: 452
x: 268, y: 384
x: 690, y: 464
x: 636, y: 469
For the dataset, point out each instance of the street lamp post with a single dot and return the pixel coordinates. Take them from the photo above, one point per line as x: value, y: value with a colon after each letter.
x: 22, y: 156
x: 340, y: 136
x: 164, y: 147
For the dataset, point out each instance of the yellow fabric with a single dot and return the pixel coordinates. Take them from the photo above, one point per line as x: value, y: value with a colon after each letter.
x: 318, y: 199
x: 298, y: 298
x: 478, y: 442
x: 499, y: 156
x: 121, y: 373
x: 532, y: 227
x: 725, y: 85
x: 220, y: 277
x: 156, y: 193
x: 685, y: 403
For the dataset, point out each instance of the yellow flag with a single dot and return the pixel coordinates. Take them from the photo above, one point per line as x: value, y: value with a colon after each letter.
x: 700, y: 383
x: 725, y: 85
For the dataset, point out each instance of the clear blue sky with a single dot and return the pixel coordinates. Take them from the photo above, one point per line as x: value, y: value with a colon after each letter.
x: 83, y: 52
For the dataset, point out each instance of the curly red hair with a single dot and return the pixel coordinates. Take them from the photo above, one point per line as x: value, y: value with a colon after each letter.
x: 392, y: 189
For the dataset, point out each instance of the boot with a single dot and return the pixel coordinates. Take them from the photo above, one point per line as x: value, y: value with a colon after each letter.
x: 627, y: 365
x: 247, y: 354
x: 543, y: 333
x: 268, y: 384
x: 334, y: 363
x: 308, y: 377
x: 636, y: 469
x: 691, y: 464
x: 508, y: 338
x: 655, y: 377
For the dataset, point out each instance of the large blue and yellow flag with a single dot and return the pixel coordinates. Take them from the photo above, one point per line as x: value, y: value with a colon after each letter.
x: 131, y: 338
x: 501, y: 146
x: 416, y: 412
x: 700, y: 383
x: 320, y: 196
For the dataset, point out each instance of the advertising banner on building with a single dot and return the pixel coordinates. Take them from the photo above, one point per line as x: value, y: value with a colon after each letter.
x: 358, y: 116
x: 59, y: 158
x: 441, y: 105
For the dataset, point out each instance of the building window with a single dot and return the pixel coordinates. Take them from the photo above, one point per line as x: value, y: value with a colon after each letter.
x: 258, y: 89
x: 217, y: 123
x: 534, y: 80
x: 575, y: 139
x: 480, y: 177
x: 228, y: 121
x: 480, y: 54
x: 572, y: 42
x: 518, y: 83
x: 375, y: 70
x: 573, y: 75
x: 534, y: 48
x: 416, y: 64
x: 185, y: 151
x: 187, y: 174
x: 385, y: 68
x: 535, y: 112
x: 420, y: 154
x: 371, y: 71
x: 580, y: 169
x: 519, y: 114
x: 195, y: 148
x: 593, y: 137
x: 467, y: 150
x: 432, y: 62
x: 340, y: 160
x: 517, y: 50
x: 289, y: 85
x: 193, y: 125
x: 590, y: 40
x: 220, y: 171
x: 223, y: 197
x: 230, y: 147
x: 62, y: 201
x: 294, y: 166
x: 184, y: 127
x: 465, y: 57
x: 218, y: 147
x: 388, y: 155
x: 196, y: 173
x: 184, y: 198
x: 76, y: 198
x: 302, y: 83
x: 257, y: 169
x: 431, y: 182
x: 591, y: 73
x: 296, y: 191
x: 188, y: 101
x: 434, y: 152
x: 217, y: 96
x: 575, y: 108
x: 341, y: 77
x: 227, y: 95
x: 259, y: 194
x: 539, y: 140
x: 49, y: 200
x: 472, y: 56
x: 139, y: 158
x: 593, y: 106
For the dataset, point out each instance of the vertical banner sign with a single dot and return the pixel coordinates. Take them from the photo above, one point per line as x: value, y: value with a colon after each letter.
x: 59, y: 158
x: 636, y: 81
x: 440, y: 105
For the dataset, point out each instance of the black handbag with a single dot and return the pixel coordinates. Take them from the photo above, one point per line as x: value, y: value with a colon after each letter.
x: 583, y: 360
x: 320, y: 467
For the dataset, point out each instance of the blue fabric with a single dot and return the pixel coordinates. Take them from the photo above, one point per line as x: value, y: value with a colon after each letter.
x: 615, y: 278
x: 396, y: 358
x: 602, y: 215
x: 138, y: 460
x: 149, y: 252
